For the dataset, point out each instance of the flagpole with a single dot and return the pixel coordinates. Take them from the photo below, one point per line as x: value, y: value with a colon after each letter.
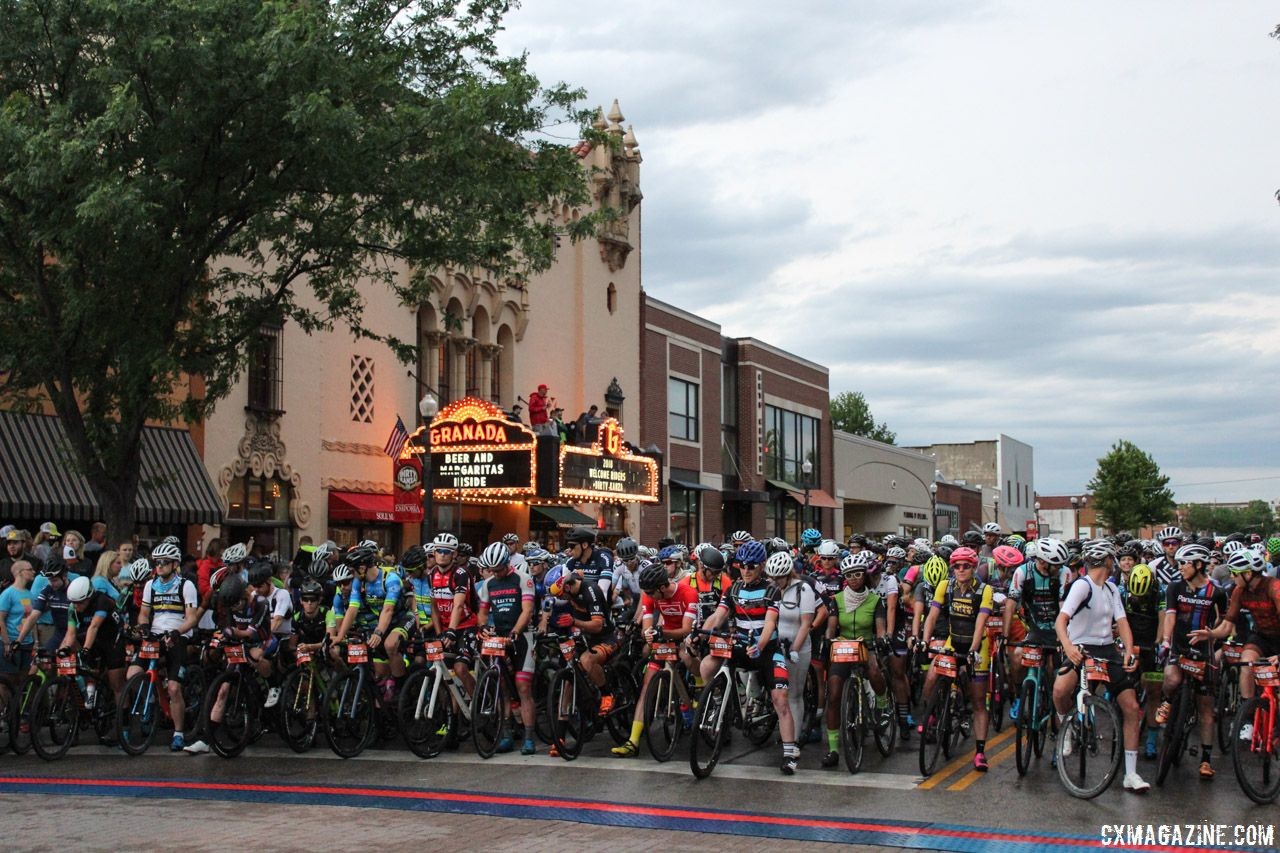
x: 427, y: 408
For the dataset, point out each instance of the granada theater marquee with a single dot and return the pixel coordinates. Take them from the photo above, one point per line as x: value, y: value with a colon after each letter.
x: 498, y: 473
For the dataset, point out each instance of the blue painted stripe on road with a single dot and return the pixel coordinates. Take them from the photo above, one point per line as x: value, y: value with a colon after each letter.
x: 907, y: 834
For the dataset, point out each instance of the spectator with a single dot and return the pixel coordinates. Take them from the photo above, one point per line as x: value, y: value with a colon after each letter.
x: 47, y: 538
x: 14, y: 545
x: 128, y: 553
x: 15, y: 606
x: 538, y: 416
x: 210, y: 563
x: 582, y: 427
x: 557, y: 421
x: 97, y: 543
x: 104, y: 574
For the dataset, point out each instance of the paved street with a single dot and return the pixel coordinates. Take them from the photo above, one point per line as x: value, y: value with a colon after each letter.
x: 532, y: 803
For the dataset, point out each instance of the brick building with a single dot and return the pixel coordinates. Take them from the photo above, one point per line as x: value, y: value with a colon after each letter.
x: 736, y: 420
x: 957, y: 508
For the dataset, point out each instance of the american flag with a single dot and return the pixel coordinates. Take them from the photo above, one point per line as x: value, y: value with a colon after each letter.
x: 395, y: 441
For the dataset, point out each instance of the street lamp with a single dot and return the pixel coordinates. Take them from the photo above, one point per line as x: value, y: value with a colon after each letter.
x: 1075, y: 507
x: 806, y: 469
x: 933, y: 509
x: 1039, y: 532
x: 1084, y: 502
x: 428, y: 407
x: 995, y: 509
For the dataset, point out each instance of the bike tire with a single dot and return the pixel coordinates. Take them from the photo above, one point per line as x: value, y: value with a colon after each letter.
x: 137, y: 714
x: 884, y: 728
x: 542, y: 675
x: 1026, y: 727
x: 347, y: 714
x: 20, y: 705
x: 104, y: 715
x: 930, y: 752
x: 489, y: 704
x: 949, y: 720
x: 1264, y: 788
x: 55, y: 711
x: 759, y: 718
x: 622, y: 684
x: 852, y: 724
x: 663, y: 722
x: 425, y: 733
x: 1226, y: 703
x: 300, y: 699
x: 1111, y: 759
x: 1172, y: 741
x: 229, y: 736
x: 998, y: 686
x: 715, y: 714
x: 570, y: 727
x: 804, y: 733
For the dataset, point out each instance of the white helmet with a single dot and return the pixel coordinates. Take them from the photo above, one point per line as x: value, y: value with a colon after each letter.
x: 166, y: 551
x: 1192, y: 553
x: 495, y: 555
x: 1052, y: 551
x: 991, y: 527
x: 445, y: 540
x: 79, y: 589
x: 828, y: 548
x: 1169, y: 532
x: 948, y: 539
x: 341, y: 572
x: 1231, y: 547
x: 1097, y: 550
x: 779, y: 565
x: 236, y: 553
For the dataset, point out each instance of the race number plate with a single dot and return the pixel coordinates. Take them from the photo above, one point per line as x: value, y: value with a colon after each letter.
x: 493, y: 647
x: 846, y: 651
x: 303, y: 657
x: 995, y: 624
x: 150, y: 650
x: 937, y: 647
x: 66, y: 666
x: 664, y: 651
x: 1266, y: 675
x: 357, y: 653
x: 1191, y: 666
x: 946, y: 665
x: 721, y: 647
x: 1231, y: 652
x: 1032, y: 655
x: 434, y: 650
x: 1096, y: 670
x: 567, y: 648
x: 235, y: 653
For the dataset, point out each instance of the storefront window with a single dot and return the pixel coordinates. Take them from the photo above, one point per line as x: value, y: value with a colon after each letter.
x: 790, y: 438
x: 685, y: 520
x: 782, y: 518
x: 682, y: 407
x: 258, y: 509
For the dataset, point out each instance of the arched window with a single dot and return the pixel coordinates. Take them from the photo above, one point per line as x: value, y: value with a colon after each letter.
x: 611, y: 298
x: 503, y: 389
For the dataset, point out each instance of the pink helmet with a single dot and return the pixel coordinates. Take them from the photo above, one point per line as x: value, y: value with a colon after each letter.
x: 964, y: 555
x: 1006, y: 556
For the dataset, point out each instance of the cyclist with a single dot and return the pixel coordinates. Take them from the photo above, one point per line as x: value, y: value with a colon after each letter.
x: 933, y: 574
x: 1259, y: 596
x: 453, y: 605
x: 1092, y: 615
x: 310, y: 623
x: 93, y: 630
x: 1031, y: 609
x: 626, y: 584
x: 506, y: 610
x: 709, y: 584
x: 342, y: 578
x: 518, y: 560
x: 1192, y: 603
x: 991, y: 535
x: 677, y: 604
x: 413, y: 564
x: 967, y: 602
x: 170, y: 607
x: 588, y: 612
x: 672, y: 560
x: 15, y: 605
x: 825, y: 578
x: 1144, y: 607
x: 1166, y: 565
x: 379, y: 606
x: 593, y: 564
x: 859, y: 614
x: 797, y: 605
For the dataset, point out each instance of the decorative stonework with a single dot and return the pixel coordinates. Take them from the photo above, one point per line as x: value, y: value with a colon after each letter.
x: 261, y: 452
x: 366, y: 487
x: 350, y: 447
x: 616, y: 184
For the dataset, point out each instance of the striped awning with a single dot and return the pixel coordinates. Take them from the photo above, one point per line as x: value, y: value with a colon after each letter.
x: 39, y: 480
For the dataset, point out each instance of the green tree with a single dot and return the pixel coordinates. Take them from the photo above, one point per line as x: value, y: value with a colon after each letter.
x: 1129, y: 490
x: 1255, y: 517
x: 850, y: 412
x: 173, y: 175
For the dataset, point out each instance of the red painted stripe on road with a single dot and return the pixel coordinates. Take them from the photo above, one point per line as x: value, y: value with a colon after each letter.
x: 545, y: 802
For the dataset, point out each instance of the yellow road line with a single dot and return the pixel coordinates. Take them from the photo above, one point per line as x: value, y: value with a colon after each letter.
x: 974, y: 774
x: 961, y: 761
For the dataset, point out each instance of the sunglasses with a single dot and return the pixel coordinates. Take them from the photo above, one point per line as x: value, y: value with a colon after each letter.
x: 827, y: 559
x: 670, y: 562
x: 855, y: 574
x: 309, y: 600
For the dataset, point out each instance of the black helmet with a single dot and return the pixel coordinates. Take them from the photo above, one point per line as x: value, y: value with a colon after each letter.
x: 361, y: 555
x: 858, y: 539
x: 310, y: 588
x: 259, y: 573
x: 653, y: 577
x: 627, y: 548
x: 414, y: 558
x: 232, y: 591
x: 973, y: 538
x: 712, y: 558
x: 581, y: 534
x: 465, y: 551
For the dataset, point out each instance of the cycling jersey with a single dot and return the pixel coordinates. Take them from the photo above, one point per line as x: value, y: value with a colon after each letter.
x: 924, y: 593
x: 100, y: 604
x: 747, y: 604
x: 421, y: 589
x: 797, y: 600
x: 249, y: 616
x: 857, y: 614
x: 444, y: 586
x: 963, y: 606
x: 596, y: 570
x: 1038, y: 597
x: 369, y: 597
x: 311, y: 630
x: 1094, y: 609
x: 590, y: 600
x: 1144, y: 617
x: 1262, y: 605
x: 280, y: 603
x: 54, y: 604
x: 1193, y: 609
x: 504, y: 597
x: 169, y: 601
x: 709, y: 593
x: 1166, y: 571
x: 683, y: 602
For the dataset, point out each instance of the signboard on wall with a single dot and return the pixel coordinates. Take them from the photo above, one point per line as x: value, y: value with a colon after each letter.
x: 607, y: 470
x: 406, y: 492
x: 476, y: 451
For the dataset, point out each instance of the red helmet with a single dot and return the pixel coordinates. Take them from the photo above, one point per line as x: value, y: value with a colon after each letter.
x: 1006, y: 556
x: 964, y: 555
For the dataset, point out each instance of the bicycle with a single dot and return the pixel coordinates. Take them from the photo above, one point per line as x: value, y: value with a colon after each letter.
x: 1227, y: 699
x: 726, y: 701
x: 434, y: 703
x: 1183, y: 720
x: 858, y: 712
x: 573, y: 704
x: 1092, y: 731
x: 143, y: 704
x: 238, y: 690
x: 23, y: 700
x: 64, y: 701
x: 351, y: 705
x: 998, y: 679
x: 1035, y: 714
x: 491, y: 703
x: 1257, y: 756
x: 666, y: 701
x: 946, y: 716
x: 301, y: 698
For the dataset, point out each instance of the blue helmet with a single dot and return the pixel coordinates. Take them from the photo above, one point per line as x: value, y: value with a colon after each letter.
x: 810, y: 538
x: 750, y: 552
x: 671, y: 552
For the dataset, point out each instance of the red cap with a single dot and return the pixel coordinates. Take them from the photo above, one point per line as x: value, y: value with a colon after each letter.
x: 542, y: 387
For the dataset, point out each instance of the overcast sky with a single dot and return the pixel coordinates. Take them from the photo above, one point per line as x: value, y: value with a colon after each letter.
x: 1055, y: 221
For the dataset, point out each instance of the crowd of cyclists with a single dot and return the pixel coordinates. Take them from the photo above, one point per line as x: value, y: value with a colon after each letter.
x: 919, y: 644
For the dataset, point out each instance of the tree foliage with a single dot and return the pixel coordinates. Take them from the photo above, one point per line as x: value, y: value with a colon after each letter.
x: 1255, y: 517
x: 850, y: 412
x: 173, y: 175
x: 1129, y: 490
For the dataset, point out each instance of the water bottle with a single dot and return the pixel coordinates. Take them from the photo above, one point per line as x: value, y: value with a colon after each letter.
x: 90, y: 694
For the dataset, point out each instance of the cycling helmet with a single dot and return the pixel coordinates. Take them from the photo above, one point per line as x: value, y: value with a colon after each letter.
x: 1191, y: 554
x: 627, y: 548
x: 238, y: 553
x: 1096, y: 551
x: 310, y: 588
x: 858, y: 539
x: 863, y: 560
x: 1007, y: 556
x: 671, y: 552
x: 972, y: 538
x: 712, y: 559
x: 851, y: 564
x: 922, y: 553
x: 342, y: 573
x: 779, y: 565
x: 1140, y: 580
x: 1128, y: 550
x: 259, y: 573
x: 964, y: 556
x: 1232, y: 547
x: 739, y: 536
x: 935, y: 571
x: 750, y: 553
x: 810, y: 538
x: 215, y: 579
x: 991, y: 528
x: 581, y: 534
x: 360, y: 555
x: 79, y: 589
x: 1169, y: 532
x: 1273, y: 545
x: 495, y: 555
x: 948, y: 539
x: 171, y: 540
x: 510, y: 540
x: 780, y: 544
x: 1015, y: 539
x: 319, y: 565
x: 536, y: 555
x: 828, y: 548
x: 444, y: 542
x: 414, y: 558
x: 1052, y: 551
x: 166, y: 551
x: 1031, y: 548
x: 1259, y: 547
x: 1246, y: 560
x: 653, y: 577
x: 140, y: 570
x: 232, y: 591
x: 895, y: 553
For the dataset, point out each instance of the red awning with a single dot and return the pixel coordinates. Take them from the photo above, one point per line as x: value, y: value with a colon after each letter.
x: 354, y: 506
x: 817, y: 498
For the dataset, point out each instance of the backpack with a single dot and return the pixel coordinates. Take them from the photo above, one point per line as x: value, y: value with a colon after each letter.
x: 1107, y: 584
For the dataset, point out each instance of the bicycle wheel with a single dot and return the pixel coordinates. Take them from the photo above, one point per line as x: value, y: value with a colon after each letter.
x: 997, y: 687
x: 1257, y: 762
x: 811, y: 723
x: 663, y: 722
x: 569, y: 713
x: 1048, y: 717
x: 1097, y: 749
x: 715, y: 711
x: 1025, y: 727
x: 137, y: 714
x: 622, y: 683
x: 1226, y: 703
x: 1172, y: 741
x: 230, y: 735
x: 20, y: 707
x: 931, y: 734
x: 424, y: 727
x: 55, y: 718
x: 852, y: 723
x: 104, y: 715
x: 759, y: 719
x: 300, y: 698
x: 195, y: 683
x: 542, y: 675
x: 347, y: 714
x: 489, y: 704
x: 949, y: 719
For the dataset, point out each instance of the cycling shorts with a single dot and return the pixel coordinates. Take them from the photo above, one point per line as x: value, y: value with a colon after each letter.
x: 983, y: 667
x: 23, y: 661
x: 1120, y: 680
x: 1016, y: 631
x: 770, y: 665
x: 605, y: 645
x: 1267, y: 646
